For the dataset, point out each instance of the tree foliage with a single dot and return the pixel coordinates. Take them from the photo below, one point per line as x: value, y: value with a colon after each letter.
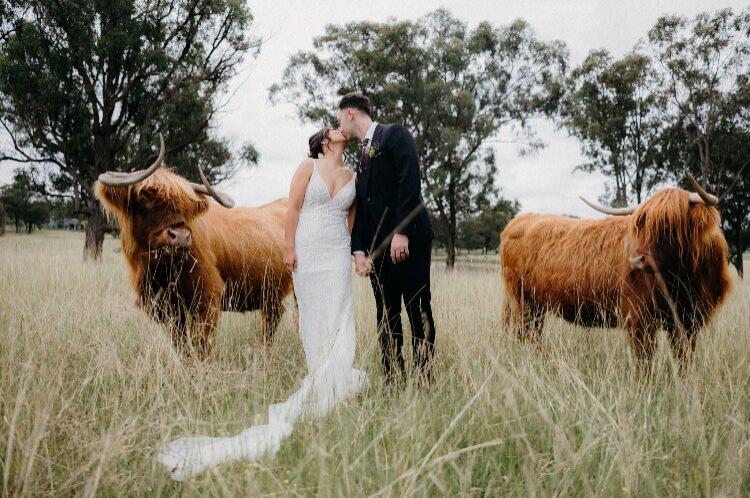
x: 703, y: 61
x: 704, y: 80
x: 678, y: 103
x: 23, y: 201
x: 610, y: 107
x: 456, y: 88
x: 87, y: 85
x: 481, y: 230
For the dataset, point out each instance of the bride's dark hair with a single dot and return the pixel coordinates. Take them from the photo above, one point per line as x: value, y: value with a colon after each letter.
x: 316, y: 141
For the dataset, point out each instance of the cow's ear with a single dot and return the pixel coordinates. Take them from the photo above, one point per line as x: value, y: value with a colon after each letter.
x: 201, y: 205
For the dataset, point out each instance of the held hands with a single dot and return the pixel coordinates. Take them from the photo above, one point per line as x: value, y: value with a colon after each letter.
x: 399, y: 248
x: 290, y: 259
x: 399, y: 253
x: 363, y: 264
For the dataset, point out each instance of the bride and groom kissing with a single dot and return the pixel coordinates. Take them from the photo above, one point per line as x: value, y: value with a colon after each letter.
x: 377, y: 215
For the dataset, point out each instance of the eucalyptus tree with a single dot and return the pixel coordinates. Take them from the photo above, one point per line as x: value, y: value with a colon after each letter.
x: 611, y: 107
x: 85, y: 86
x: 704, y: 66
x: 703, y: 61
x: 457, y: 88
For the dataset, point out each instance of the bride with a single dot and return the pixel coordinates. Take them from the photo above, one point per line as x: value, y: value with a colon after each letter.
x: 318, y: 227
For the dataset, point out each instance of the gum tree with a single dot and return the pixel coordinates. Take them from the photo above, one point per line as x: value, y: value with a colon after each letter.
x: 457, y: 88
x: 85, y: 86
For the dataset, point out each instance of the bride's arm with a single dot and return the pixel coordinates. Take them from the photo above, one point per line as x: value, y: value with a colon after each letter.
x: 296, y: 197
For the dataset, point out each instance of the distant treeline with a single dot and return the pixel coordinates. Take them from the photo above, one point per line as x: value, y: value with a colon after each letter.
x: 25, y: 204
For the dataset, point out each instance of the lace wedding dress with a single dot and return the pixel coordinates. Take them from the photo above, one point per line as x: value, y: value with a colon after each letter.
x: 323, y: 287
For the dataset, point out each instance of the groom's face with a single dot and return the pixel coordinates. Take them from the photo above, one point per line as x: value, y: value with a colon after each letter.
x: 346, y: 122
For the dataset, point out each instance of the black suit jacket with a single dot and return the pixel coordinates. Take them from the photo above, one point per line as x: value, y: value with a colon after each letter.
x: 388, y: 189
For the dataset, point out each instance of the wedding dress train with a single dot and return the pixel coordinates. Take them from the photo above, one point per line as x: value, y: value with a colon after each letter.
x: 323, y: 287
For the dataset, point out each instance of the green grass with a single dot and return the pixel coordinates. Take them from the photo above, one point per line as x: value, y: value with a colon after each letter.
x: 90, y: 388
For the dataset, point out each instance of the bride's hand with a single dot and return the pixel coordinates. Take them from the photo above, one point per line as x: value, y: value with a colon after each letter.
x: 290, y: 259
x: 363, y: 265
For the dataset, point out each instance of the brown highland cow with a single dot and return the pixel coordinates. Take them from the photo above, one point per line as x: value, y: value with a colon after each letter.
x: 661, y: 264
x: 188, y: 258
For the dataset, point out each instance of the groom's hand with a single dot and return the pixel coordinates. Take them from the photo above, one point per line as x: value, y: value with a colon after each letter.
x: 362, y: 264
x: 399, y: 248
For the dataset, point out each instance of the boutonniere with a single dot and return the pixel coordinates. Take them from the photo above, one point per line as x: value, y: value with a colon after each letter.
x: 373, y: 150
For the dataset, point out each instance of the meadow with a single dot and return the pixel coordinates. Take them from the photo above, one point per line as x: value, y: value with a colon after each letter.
x: 90, y: 388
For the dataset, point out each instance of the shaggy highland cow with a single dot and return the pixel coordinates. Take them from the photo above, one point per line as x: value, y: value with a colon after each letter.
x: 188, y: 258
x: 661, y: 264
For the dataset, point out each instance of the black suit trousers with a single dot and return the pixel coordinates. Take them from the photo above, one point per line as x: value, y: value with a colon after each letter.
x: 408, y: 281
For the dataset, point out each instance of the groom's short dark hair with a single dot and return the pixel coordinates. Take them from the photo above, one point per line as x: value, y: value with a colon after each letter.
x: 356, y: 100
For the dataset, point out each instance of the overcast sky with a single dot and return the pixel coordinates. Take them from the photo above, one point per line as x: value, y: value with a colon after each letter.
x: 542, y: 182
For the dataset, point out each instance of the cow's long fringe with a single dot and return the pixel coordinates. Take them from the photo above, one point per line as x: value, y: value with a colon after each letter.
x: 669, y: 215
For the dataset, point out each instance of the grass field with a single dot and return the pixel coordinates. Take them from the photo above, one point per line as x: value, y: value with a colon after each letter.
x: 90, y: 388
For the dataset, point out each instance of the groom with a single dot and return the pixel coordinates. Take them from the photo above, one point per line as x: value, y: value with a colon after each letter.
x: 389, y: 193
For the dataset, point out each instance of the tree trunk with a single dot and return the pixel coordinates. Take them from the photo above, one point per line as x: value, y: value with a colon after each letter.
x: 738, y: 262
x: 450, y: 257
x: 703, y: 151
x: 76, y: 197
x: 621, y: 189
x: 450, y: 248
x: 92, y: 249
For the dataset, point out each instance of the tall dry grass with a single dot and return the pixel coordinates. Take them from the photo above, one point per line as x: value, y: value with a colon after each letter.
x: 90, y: 388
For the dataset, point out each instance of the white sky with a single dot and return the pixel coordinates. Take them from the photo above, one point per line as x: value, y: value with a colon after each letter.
x: 542, y: 182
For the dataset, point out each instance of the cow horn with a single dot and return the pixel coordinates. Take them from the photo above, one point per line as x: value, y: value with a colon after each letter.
x: 700, y: 195
x: 207, y: 189
x: 123, y: 179
x: 624, y: 211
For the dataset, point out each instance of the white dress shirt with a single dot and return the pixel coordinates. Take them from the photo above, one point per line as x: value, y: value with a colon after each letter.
x: 369, y: 134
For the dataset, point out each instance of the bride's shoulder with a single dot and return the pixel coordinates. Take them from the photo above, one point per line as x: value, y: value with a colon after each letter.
x: 305, y: 168
x: 307, y: 164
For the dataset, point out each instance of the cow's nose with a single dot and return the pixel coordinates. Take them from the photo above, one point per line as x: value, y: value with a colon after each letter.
x: 179, y: 237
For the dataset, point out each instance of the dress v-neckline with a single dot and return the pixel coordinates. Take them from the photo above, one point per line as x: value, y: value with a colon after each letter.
x: 325, y: 183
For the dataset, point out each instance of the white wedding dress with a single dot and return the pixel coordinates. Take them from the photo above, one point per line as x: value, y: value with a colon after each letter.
x: 323, y: 287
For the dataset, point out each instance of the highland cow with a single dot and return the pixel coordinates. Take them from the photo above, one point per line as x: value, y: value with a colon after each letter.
x: 188, y: 258
x: 661, y: 264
